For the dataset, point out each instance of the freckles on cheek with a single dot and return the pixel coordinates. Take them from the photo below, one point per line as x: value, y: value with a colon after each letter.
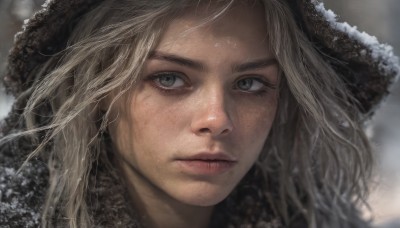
x: 121, y: 135
x: 259, y: 123
x: 139, y: 106
x: 155, y: 116
x: 150, y: 116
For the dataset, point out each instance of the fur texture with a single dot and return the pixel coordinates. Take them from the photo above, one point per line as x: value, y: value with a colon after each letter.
x: 367, y: 73
x: 22, y: 194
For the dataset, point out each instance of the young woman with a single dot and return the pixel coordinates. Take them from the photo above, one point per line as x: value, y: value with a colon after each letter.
x: 189, y: 114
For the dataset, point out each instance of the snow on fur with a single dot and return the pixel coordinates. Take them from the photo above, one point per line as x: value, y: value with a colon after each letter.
x: 383, y: 53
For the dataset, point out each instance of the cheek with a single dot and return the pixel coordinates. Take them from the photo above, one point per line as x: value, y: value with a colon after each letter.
x: 156, y: 118
x: 256, y: 117
x: 136, y: 141
x: 254, y: 122
x: 154, y: 125
x: 120, y: 133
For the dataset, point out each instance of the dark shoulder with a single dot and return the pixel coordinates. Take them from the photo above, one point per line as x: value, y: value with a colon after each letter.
x: 21, y: 193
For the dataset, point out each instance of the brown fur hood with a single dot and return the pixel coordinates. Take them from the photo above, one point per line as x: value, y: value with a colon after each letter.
x: 367, y: 67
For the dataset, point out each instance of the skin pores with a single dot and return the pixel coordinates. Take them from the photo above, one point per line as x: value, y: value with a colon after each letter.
x: 198, y: 120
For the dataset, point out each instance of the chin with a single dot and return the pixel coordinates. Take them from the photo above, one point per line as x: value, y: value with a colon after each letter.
x: 203, y: 196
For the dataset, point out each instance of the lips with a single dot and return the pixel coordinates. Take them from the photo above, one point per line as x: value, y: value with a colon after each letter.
x: 207, y: 164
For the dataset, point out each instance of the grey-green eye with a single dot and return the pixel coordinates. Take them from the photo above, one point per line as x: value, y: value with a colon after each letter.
x: 169, y: 80
x: 250, y: 85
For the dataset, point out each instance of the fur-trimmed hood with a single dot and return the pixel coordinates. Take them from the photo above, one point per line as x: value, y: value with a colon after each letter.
x: 367, y: 67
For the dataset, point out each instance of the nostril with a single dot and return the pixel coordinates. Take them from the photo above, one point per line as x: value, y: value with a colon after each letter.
x: 204, y: 130
x: 225, y: 131
x: 209, y: 131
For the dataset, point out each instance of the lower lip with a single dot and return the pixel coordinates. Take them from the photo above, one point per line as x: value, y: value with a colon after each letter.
x: 206, y: 167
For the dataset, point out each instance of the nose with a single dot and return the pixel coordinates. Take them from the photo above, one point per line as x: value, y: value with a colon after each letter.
x: 211, y: 115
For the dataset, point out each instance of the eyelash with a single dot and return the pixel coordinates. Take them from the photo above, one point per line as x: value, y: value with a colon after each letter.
x: 267, y: 86
x: 154, y: 77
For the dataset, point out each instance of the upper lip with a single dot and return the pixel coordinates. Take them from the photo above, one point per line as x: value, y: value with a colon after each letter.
x: 209, y: 156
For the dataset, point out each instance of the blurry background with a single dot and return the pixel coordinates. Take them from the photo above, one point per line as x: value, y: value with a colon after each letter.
x: 379, y: 18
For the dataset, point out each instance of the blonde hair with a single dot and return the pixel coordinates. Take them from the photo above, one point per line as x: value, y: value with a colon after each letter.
x: 315, y: 163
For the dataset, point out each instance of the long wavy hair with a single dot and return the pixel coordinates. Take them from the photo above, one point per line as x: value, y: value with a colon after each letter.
x: 315, y: 163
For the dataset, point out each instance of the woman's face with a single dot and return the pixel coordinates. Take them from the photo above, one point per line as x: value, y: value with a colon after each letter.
x: 199, y: 118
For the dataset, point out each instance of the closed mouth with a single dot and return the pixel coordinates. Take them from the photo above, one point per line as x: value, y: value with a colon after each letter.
x: 206, y: 165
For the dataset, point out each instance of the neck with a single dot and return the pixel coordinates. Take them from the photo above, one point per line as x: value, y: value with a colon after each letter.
x: 157, y: 209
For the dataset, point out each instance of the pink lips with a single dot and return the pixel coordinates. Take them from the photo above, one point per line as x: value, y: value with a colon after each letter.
x: 207, y: 163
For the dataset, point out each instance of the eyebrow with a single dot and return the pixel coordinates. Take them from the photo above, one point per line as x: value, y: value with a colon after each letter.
x: 252, y: 65
x: 178, y: 60
x: 255, y: 65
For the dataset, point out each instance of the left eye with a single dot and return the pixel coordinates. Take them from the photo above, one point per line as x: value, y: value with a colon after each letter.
x: 250, y: 85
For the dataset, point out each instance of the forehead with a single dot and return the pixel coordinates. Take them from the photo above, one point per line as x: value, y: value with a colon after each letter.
x: 240, y: 17
x: 242, y: 25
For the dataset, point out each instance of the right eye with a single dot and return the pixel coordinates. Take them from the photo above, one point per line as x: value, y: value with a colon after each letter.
x: 169, y: 80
